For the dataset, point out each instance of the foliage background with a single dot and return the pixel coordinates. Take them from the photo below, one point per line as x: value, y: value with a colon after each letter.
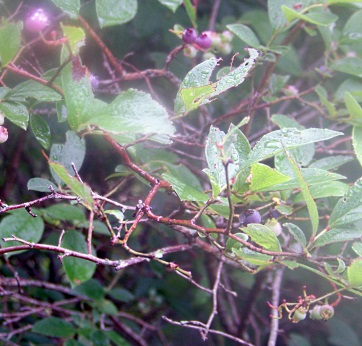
x: 99, y: 311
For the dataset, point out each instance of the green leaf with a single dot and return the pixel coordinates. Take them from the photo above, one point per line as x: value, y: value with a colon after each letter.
x: 311, y: 205
x: 277, y: 83
x: 357, y: 142
x: 41, y: 130
x: 10, y: 40
x: 349, y: 208
x: 357, y: 248
x: 116, y: 338
x: 78, y: 270
x: 273, y: 143
x: 21, y: 224
x: 353, y: 85
x: 35, y: 90
x: 354, y: 109
x: 55, y: 327
x: 173, y: 5
x: 337, y: 235
x: 276, y: 16
x: 312, y: 176
x: 81, y: 190
x: 352, y: 31
x: 91, y: 289
x: 75, y: 36
x: 316, y: 17
x: 64, y: 212
x: 324, y: 189
x: 263, y: 236
x: 71, y: 7
x: 297, y: 233
x: 41, y: 185
x: 116, y: 213
x: 185, y: 192
x: 191, y: 12
x: 134, y: 111
x: 79, y: 98
x: 17, y: 113
x: 245, y: 34
x: 121, y: 294
x: 72, y: 151
x: 219, y: 150
x: 199, y: 77
x: 107, y: 307
x: 331, y: 162
x: 323, y: 97
x: 284, y: 121
x: 232, y: 243
x: 348, y: 65
x: 263, y: 177
x: 115, y: 12
x: 253, y: 257
x: 354, y: 272
x: 194, y: 97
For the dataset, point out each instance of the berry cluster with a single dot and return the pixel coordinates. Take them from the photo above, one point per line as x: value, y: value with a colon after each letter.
x: 209, y: 42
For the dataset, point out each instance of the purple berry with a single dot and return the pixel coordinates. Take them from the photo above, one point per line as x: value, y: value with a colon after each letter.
x: 189, y: 36
x: 204, y: 41
x: 37, y: 20
x: 249, y: 216
x: 3, y: 134
x: 94, y: 81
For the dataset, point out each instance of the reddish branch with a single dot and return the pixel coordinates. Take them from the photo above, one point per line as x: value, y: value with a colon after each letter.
x: 21, y: 72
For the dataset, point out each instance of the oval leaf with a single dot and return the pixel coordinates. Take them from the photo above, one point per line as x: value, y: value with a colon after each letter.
x: 354, y: 272
x: 115, y: 12
x: 245, y: 34
x: 71, y: 7
x: 337, y: 235
x: 78, y: 270
x: 263, y: 236
x: 134, y: 111
x: 21, y: 224
x: 349, y: 208
x: 55, y: 327
x: 41, y: 130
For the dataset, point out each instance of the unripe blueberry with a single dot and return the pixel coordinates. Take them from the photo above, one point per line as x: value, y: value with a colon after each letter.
x: 94, y: 81
x: 207, y: 56
x: 37, y: 20
x: 249, y: 216
x: 190, y: 51
x: 2, y: 118
x: 226, y: 36
x: 203, y: 41
x: 327, y: 312
x: 189, y: 35
x: 299, y: 315
x: 315, y: 313
x: 226, y: 48
x: 274, y: 225
x: 3, y: 134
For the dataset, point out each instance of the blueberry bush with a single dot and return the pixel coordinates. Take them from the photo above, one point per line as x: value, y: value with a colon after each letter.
x: 178, y: 172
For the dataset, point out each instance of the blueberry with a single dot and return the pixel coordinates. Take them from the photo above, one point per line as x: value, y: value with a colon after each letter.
x: 204, y: 41
x: 3, y: 134
x: 250, y: 216
x: 37, y: 20
x: 189, y: 35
